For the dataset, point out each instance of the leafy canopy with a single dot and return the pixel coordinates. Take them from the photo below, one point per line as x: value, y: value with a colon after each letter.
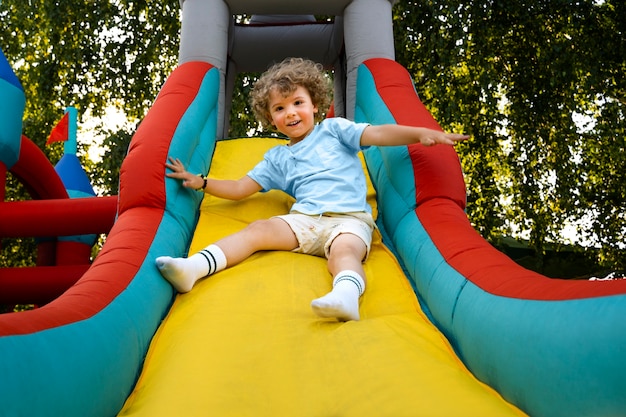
x: 539, y: 85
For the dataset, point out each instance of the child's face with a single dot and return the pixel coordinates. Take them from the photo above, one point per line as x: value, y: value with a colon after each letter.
x: 293, y: 115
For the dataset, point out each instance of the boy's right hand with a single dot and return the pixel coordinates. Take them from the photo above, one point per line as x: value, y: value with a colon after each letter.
x: 180, y: 173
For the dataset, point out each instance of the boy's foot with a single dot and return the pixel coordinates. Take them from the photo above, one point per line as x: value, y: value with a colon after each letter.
x: 341, y: 303
x: 174, y: 270
x: 183, y: 273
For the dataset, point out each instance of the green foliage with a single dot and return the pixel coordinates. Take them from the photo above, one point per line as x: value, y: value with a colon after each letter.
x: 105, y: 175
x: 243, y: 123
x: 519, y: 77
x: 90, y: 55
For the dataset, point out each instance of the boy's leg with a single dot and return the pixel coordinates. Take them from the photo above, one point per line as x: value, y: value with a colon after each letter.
x: 345, y: 264
x: 271, y: 234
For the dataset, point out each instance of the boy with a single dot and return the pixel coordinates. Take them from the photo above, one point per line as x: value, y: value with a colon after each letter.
x: 320, y: 168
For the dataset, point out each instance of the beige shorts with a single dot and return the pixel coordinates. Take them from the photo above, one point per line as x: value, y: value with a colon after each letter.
x: 315, y: 233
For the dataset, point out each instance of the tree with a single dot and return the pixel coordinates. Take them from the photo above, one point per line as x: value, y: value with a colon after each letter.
x: 518, y: 77
x: 91, y: 56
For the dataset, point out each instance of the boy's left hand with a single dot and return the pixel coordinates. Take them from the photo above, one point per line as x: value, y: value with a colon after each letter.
x: 435, y: 137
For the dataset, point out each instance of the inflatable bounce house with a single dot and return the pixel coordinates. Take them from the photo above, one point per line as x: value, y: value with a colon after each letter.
x: 65, y: 228
x: 449, y: 326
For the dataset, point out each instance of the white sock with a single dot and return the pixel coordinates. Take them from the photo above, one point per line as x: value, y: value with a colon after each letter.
x: 183, y: 273
x: 343, y: 301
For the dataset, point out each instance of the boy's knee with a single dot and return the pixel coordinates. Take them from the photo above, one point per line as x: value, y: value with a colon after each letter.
x: 267, y: 228
x: 259, y: 227
x: 348, y: 244
x: 271, y: 234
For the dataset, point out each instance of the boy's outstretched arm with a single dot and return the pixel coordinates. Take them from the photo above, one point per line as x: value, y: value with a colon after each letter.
x: 394, y: 135
x: 229, y: 189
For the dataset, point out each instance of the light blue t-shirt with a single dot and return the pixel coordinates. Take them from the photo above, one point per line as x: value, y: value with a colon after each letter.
x: 322, y: 172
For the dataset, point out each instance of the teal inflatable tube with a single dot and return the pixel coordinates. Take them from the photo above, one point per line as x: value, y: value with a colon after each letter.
x: 552, y: 347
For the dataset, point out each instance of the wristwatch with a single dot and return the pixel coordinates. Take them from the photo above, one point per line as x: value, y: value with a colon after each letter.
x: 204, y: 179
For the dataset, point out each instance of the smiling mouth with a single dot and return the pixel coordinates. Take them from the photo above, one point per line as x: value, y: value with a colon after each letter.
x: 293, y: 123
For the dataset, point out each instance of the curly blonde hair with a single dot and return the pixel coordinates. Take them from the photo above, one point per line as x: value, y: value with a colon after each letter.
x: 284, y: 78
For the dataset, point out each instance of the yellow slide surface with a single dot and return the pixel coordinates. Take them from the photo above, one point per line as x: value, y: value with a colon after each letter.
x: 245, y: 341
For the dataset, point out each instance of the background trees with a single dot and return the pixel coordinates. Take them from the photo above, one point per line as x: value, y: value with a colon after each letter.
x: 539, y: 85
x: 93, y: 56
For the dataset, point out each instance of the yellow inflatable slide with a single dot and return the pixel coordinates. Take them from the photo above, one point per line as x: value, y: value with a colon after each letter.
x: 245, y: 342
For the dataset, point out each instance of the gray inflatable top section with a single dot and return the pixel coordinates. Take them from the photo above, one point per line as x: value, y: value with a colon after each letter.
x: 319, y: 7
x: 360, y: 30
